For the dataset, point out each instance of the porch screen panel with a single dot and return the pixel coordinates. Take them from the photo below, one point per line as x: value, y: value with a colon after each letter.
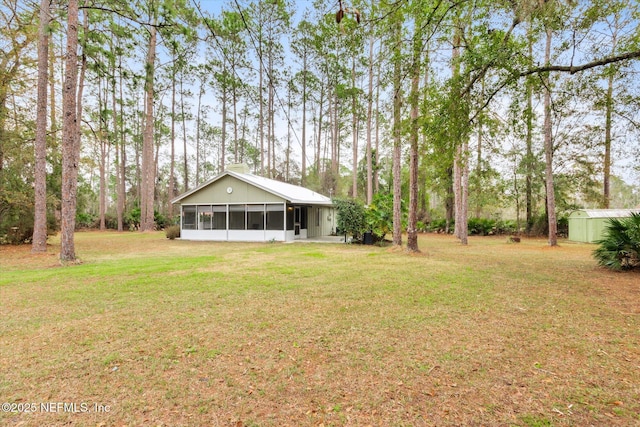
x: 189, y: 218
x: 204, y: 217
x: 275, y: 217
x: 237, y: 217
x: 219, y: 217
x: 255, y: 217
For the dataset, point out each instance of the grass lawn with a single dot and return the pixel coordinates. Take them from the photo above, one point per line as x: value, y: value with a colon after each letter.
x: 148, y: 331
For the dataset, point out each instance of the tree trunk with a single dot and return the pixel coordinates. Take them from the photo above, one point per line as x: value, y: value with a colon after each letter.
x: 304, y: 121
x: 103, y: 142
x: 414, y: 97
x: 172, y: 159
x: 70, y: 135
x: 148, y: 167
x: 335, y: 134
x: 123, y: 157
x: 319, y: 144
x: 184, y: 132
x: 397, y: 140
x: 198, y: 125
x: 529, y: 138
x: 354, y: 129
x: 118, y: 148
x: 376, y: 177
x: 369, y: 125
x: 606, y: 193
x: 548, y: 149
x: 39, y: 243
x: 261, y: 106
x: 457, y: 191
x: 223, y: 143
x: 464, y: 199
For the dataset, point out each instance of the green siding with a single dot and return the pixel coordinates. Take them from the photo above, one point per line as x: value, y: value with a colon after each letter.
x: 583, y: 228
x: 578, y: 229
x: 242, y: 193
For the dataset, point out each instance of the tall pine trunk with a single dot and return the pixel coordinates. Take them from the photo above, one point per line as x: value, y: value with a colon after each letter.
x: 103, y: 140
x: 70, y: 136
x: 606, y: 192
x: 354, y: 129
x: 529, y: 141
x: 148, y: 167
x: 39, y: 243
x: 370, y: 124
x: 304, y: 121
x: 414, y: 97
x: 460, y: 160
x: 122, y: 165
x: 172, y: 159
x: 184, y: 131
x: 397, y: 139
x: 548, y: 148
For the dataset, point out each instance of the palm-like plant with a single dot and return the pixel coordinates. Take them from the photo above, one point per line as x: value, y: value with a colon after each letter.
x: 620, y: 247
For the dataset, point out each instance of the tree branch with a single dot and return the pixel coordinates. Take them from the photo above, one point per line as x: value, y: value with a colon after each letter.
x: 135, y: 19
x: 573, y: 69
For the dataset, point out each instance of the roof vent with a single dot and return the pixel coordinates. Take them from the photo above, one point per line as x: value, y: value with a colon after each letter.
x: 239, y: 168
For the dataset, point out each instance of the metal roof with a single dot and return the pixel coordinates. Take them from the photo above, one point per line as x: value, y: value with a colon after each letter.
x: 608, y: 213
x: 292, y: 193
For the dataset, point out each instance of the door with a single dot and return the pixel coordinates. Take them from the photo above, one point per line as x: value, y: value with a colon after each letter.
x: 296, y: 221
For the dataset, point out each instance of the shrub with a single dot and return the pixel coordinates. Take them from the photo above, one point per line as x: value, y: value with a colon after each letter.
x: 379, y: 215
x: 350, y: 217
x: 506, y: 227
x: 172, y: 232
x: 132, y: 219
x: 86, y: 220
x: 440, y: 226
x: 481, y: 226
x: 619, y: 249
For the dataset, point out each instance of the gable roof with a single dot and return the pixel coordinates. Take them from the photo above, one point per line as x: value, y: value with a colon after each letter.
x: 291, y: 193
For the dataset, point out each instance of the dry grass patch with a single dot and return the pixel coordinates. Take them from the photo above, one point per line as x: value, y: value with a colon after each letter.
x: 193, y: 333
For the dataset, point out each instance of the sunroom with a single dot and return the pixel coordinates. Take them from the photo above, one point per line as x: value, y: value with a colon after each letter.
x: 238, y: 206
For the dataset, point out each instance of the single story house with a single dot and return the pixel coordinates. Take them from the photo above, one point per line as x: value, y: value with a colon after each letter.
x: 239, y: 206
x: 588, y: 225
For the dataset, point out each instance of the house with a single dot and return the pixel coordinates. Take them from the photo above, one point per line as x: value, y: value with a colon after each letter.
x: 588, y: 225
x: 239, y: 206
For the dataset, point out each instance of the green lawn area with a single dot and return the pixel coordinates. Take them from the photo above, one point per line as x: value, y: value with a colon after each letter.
x: 148, y: 331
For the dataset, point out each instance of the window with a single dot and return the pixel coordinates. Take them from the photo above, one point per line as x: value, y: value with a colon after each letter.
x: 275, y: 217
x: 237, y: 217
x: 255, y: 217
x: 189, y: 218
x: 219, y: 217
x: 204, y: 217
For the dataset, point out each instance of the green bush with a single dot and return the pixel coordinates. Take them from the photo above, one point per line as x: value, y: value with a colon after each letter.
x: 619, y: 249
x: 86, y: 220
x: 172, y: 232
x: 440, y: 226
x: 350, y: 217
x: 131, y: 219
x: 506, y: 227
x: 481, y: 226
x: 379, y: 216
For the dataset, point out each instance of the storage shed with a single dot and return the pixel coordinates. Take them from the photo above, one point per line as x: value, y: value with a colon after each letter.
x: 240, y: 206
x: 588, y: 225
